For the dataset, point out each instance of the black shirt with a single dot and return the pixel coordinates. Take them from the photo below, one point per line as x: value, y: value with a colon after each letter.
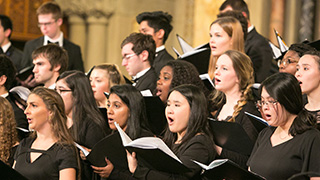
x: 299, y: 154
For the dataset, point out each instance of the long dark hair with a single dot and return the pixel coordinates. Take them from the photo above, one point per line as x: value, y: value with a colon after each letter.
x: 84, y: 106
x: 135, y: 102
x: 197, y: 123
x: 285, y: 88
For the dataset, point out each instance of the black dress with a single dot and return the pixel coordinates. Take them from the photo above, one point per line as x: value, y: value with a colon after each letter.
x: 299, y: 154
x: 199, y: 148
x: 47, y: 165
x: 249, y: 128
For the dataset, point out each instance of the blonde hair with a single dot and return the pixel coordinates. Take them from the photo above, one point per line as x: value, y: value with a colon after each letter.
x: 113, y: 73
x: 8, y: 130
x: 242, y: 65
x: 234, y: 30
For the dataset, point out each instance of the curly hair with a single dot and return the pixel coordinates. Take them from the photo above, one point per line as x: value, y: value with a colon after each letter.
x: 242, y: 65
x: 301, y: 48
x: 8, y: 131
x: 185, y: 73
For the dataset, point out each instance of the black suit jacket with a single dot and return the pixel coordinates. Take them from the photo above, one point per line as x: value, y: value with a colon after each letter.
x: 147, y: 81
x: 258, y: 49
x: 160, y: 60
x: 74, y: 53
x: 15, y: 55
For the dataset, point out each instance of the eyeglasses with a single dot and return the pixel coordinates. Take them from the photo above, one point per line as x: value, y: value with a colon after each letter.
x: 128, y: 56
x: 46, y: 24
x: 62, y: 90
x: 266, y: 103
x: 286, y: 62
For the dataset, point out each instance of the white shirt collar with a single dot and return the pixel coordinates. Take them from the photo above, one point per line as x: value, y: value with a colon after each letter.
x: 141, y: 73
x: 160, y: 48
x: 60, y: 40
x: 5, y: 95
x: 6, y: 47
x: 250, y: 28
x: 53, y: 86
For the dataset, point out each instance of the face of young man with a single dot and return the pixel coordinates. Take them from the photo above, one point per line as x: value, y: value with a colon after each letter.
x: 131, y: 61
x: 43, y: 73
x: 146, y: 29
x: 49, y: 26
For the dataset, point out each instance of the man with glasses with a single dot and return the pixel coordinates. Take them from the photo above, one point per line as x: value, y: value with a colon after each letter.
x: 138, y: 52
x: 292, y: 57
x: 49, y: 21
x: 49, y: 62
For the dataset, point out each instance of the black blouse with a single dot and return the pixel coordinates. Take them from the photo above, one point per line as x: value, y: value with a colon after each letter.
x: 48, y: 164
x: 299, y: 154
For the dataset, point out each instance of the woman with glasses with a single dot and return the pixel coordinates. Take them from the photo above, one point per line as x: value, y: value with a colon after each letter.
x: 308, y: 74
x: 292, y: 56
x: 102, y: 78
x: 85, y: 121
x: 291, y: 145
x: 233, y: 79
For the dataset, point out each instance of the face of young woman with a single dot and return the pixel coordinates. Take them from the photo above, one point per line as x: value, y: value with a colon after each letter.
x: 66, y: 94
x: 308, y: 74
x: 164, y: 82
x: 272, y: 111
x: 37, y: 113
x: 226, y: 78
x: 117, y: 111
x: 177, y: 113
x: 220, y: 41
x: 100, y: 83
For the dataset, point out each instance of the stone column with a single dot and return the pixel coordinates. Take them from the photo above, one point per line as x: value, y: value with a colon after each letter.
x: 306, y: 20
x: 277, y: 19
x: 78, y: 35
x: 96, y: 44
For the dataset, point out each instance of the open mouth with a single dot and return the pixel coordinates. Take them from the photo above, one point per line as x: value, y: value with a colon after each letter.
x: 216, y: 80
x: 110, y: 120
x: 170, y: 120
x: 159, y: 92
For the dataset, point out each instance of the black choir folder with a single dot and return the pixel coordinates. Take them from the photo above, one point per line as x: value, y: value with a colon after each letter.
x: 198, y: 56
x: 232, y: 136
x: 156, y: 114
x: 154, y: 153
x: 228, y: 170
x: 7, y: 173
x: 110, y: 147
x: 258, y: 122
x: 24, y: 73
